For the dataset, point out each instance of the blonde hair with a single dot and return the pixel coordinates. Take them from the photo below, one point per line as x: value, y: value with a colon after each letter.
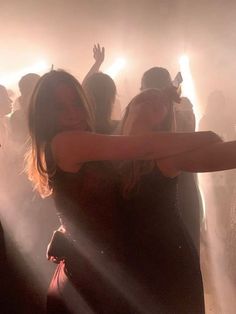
x: 42, y: 127
x: 132, y: 171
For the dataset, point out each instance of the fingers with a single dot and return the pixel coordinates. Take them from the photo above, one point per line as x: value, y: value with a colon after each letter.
x: 98, y: 51
x: 55, y: 259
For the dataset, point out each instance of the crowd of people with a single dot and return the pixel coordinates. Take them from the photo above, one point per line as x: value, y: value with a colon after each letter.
x: 125, y: 191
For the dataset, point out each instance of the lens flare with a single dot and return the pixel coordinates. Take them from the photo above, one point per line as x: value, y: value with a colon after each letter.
x: 116, y: 67
x: 11, y: 80
x: 189, y: 91
x: 188, y: 87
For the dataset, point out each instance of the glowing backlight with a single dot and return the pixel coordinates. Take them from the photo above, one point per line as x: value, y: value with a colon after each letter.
x: 188, y: 88
x: 11, y: 79
x: 116, y: 67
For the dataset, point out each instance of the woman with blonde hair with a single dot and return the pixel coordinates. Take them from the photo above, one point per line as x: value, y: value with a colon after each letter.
x: 70, y: 162
x: 161, y: 255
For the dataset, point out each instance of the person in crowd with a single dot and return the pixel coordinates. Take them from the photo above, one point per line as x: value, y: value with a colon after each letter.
x: 5, y: 109
x: 5, y: 102
x: 189, y: 199
x: 158, y: 245
x: 99, y: 56
x: 27, y: 212
x: 158, y: 242
x: 184, y: 118
x: 18, y: 119
x: 101, y: 92
x: 71, y: 162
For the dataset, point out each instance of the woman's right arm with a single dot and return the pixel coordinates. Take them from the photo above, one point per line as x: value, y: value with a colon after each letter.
x: 73, y: 147
x: 99, y: 55
x: 215, y: 157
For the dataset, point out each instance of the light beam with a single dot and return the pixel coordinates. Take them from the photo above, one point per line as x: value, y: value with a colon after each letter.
x: 116, y: 67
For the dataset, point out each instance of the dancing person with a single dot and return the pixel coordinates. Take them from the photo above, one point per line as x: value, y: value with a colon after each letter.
x: 18, y: 119
x: 5, y: 109
x: 189, y: 199
x: 161, y: 254
x: 184, y: 118
x: 101, y: 92
x: 66, y: 159
x: 99, y: 56
x: 158, y: 243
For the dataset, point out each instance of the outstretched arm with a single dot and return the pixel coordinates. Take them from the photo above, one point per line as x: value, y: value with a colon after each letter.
x: 99, y: 55
x: 215, y: 157
x: 70, y: 149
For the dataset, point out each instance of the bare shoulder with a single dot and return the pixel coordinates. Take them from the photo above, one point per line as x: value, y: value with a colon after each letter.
x: 66, y: 148
x: 68, y: 138
x: 59, y: 142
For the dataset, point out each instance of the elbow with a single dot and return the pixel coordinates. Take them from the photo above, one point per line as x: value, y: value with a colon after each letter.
x: 215, y: 138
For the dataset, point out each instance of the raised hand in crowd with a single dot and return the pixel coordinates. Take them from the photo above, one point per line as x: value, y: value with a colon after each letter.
x: 99, y: 55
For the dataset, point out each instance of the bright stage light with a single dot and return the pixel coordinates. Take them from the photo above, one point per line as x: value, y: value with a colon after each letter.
x: 189, y: 91
x: 40, y: 67
x: 116, y: 67
x: 11, y: 80
x: 184, y: 61
x: 188, y: 88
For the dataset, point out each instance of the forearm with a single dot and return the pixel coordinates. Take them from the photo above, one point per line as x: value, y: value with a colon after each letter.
x: 76, y: 147
x: 94, y: 69
x: 161, y: 145
x: 177, y: 143
x: 215, y: 157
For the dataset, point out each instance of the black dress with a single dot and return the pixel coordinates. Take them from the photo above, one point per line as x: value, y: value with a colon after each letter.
x: 160, y: 252
x: 88, y: 205
x: 131, y: 256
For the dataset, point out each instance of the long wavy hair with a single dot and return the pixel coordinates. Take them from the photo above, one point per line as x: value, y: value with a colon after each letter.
x: 132, y: 171
x: 42, y: 126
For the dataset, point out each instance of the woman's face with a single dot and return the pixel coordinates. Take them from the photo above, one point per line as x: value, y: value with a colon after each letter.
x: 70, y: 112
x: 149, y: 116
x: 156, y: 115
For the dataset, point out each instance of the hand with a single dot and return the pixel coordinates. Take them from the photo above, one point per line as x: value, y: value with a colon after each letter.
x: 56, y: 249
x: 52, y: 257
x: 98, y: 54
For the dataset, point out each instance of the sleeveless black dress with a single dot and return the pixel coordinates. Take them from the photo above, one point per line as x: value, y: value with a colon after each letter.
x: 160, y: 252
x: 127, y: 256
x: 88, y: 205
